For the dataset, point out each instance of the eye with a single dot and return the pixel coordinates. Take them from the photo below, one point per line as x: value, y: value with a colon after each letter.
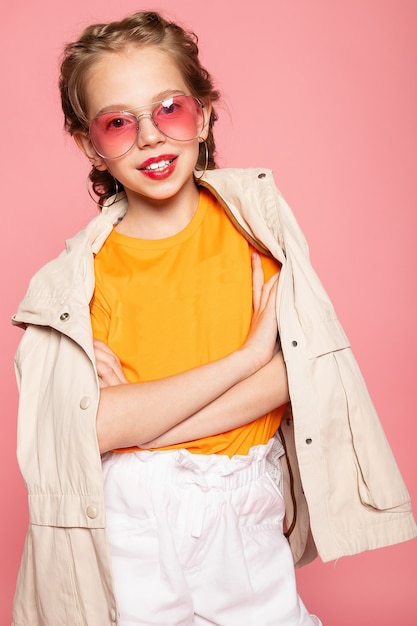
x: 169, y: 108
x: 117, y: 122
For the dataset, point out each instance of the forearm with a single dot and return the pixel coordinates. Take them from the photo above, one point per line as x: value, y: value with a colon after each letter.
x: 131, y: 414
x: 249, y: 399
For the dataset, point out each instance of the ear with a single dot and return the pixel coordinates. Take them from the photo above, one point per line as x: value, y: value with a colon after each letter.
x: 84, y: 143
x: 207, y: 114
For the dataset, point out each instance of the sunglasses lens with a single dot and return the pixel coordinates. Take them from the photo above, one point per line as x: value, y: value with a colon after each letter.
x: 113, y: 134
x: 180, y: 118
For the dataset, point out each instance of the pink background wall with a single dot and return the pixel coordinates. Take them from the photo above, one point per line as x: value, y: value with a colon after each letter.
x: 325, y: 93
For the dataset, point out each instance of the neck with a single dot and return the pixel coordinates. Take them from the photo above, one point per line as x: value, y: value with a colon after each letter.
x: 154, y: 218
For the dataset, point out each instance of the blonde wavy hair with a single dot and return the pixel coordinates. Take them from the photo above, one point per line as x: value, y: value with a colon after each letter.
x: 140, y: 29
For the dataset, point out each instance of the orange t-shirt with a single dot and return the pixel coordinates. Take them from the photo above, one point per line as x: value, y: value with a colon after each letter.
x: 168, y: 305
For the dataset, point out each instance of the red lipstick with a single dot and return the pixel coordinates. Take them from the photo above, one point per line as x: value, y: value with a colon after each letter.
x: 159, y: 167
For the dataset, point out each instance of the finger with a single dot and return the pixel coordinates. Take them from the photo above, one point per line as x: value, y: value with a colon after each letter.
x: 268, y: 292
x: 108, y: 365
x: 102, y: 347
x: 105, y: 354
x: 111, y: 373
x: 257, y: 280
x: 101, y: 383
x: 107, y: 376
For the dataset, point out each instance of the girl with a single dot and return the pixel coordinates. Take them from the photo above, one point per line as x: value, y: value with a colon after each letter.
x: 141, y: 345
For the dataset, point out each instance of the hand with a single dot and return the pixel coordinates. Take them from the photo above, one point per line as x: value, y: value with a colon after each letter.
x: 262, y: 337
x: 108, y: 365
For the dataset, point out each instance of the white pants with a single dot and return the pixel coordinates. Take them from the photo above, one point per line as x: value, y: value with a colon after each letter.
x: 197, y: 539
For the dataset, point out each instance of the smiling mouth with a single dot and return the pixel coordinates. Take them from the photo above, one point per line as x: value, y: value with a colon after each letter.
x: 158, y: 165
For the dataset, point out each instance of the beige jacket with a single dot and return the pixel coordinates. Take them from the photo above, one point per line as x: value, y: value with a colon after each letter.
x: 352, y: 496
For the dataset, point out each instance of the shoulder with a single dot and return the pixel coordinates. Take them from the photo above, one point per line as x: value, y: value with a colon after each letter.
x: 69, y: 276
x: 231, y: 174
x: 242, y: 185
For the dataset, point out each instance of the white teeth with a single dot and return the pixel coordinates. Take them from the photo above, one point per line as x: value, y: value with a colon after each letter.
x: 158, y: 166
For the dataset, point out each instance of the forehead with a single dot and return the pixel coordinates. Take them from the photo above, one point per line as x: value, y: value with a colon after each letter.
x: 132, y: 77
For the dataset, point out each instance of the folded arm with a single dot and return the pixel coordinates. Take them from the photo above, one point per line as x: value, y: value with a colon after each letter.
x: 246, y: 401
x: 132, y: 414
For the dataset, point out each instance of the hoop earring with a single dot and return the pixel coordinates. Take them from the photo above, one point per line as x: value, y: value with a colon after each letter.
x: 206, y: 161
x: 90, y: 193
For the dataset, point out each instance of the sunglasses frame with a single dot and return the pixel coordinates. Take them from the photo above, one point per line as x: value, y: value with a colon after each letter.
x: 154, y: 106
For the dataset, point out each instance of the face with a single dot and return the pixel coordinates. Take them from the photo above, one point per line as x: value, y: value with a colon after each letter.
x: 155, y: 167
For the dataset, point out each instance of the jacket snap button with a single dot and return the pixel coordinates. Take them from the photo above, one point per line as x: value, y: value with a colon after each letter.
x: 64, y: 317
x: 308, y: 441
x: 85, y: 402
x: 263, y: 175
x: 91, y: 511
x: 294, y: 343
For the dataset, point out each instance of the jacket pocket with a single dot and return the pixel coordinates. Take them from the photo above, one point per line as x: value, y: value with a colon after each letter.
x: 325, y: 336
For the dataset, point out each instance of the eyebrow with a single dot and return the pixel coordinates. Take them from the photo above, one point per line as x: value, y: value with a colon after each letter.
x: 159, y: 97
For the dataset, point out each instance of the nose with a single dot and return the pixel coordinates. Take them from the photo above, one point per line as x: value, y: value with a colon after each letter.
x: 148, y: 133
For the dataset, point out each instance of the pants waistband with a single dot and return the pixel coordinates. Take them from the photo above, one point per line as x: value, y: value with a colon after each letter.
x: 207, y: 471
